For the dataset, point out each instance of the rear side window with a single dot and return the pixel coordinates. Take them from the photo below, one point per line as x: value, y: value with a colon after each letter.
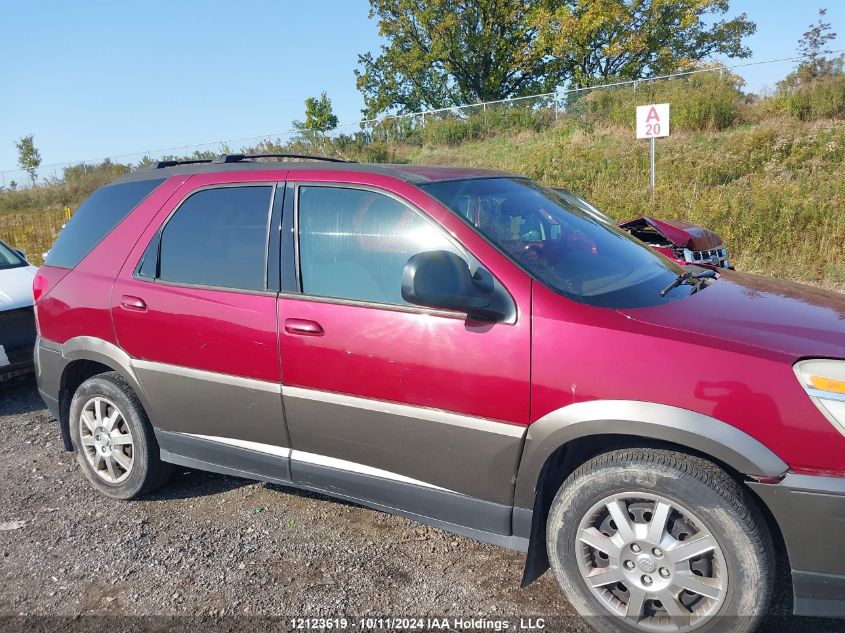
x: 218, y: 237
x: 95, y: 219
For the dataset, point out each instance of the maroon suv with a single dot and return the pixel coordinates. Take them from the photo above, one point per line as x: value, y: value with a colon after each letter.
x: 466, y: 348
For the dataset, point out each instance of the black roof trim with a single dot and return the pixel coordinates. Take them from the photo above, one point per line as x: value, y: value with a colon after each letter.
x: 398, y: 171
x: 161, y: 164
x: 236, y: 158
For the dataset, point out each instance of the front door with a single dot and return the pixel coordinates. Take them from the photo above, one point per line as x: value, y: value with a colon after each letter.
x: 411, y: 408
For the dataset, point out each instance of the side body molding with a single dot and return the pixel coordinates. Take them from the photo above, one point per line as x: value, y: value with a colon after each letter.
x: 645, y: 419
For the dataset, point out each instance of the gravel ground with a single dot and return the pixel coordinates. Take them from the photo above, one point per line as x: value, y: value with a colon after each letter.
x: 214, y: 546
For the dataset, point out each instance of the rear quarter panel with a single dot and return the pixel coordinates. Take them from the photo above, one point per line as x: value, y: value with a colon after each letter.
x: 79, y: 304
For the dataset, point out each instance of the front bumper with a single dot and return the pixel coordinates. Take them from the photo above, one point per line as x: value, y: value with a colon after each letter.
x: 713, y: 258
x: 17, y: 340
x: 810, y: 511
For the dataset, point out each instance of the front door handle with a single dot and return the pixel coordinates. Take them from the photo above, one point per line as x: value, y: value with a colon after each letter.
x: 303, y: 327
x: 136, y: 304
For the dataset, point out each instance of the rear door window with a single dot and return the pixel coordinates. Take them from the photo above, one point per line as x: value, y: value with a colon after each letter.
x: 95, y: 219
x: 218, y: 237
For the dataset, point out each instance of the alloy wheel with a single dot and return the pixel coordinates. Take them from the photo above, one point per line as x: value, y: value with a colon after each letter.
x: 106, y: 440
x: 652, y: 562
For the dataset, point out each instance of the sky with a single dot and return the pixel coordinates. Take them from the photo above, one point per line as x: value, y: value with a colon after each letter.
x: 92, y: 79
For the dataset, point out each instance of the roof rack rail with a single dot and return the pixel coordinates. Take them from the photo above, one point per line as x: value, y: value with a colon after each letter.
x: 161, y: 164
x: 236, y: 158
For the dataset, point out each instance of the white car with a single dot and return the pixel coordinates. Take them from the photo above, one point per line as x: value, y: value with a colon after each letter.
x: 17, y: 319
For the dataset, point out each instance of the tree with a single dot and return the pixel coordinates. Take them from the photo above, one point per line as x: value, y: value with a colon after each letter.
x: 815, y: 52
x: 816, y: 62
x: 318, y: 115
x: 598, y: 40
x: 442, y: 53
x: 29, y: 158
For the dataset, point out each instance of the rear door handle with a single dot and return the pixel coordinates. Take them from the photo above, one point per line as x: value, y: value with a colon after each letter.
x: 303, y: 327
x: 128, y: 302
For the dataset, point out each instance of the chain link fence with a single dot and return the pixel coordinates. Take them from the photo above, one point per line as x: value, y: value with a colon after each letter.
x: 366, y: 139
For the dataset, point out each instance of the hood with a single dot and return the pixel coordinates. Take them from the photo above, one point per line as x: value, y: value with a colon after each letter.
x: 680, y: 233
x: 16, y: 287
x: 778, y: 317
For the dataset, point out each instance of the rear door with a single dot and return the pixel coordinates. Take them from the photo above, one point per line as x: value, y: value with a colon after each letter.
x: 195, y: 308
x: 412, y: 408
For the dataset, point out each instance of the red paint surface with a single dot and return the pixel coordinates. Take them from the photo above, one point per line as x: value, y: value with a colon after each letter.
x: 411, y: 358
x: 223, y: 331
x: 418, y: 359
x: 78, y: 303
x: 681, y: 233
x: 726, y: 351
x: 212, y: 330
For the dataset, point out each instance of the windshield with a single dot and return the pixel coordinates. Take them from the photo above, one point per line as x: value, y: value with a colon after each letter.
x: 561, y: 244
x: 580, y: 203
x: 9, y: 257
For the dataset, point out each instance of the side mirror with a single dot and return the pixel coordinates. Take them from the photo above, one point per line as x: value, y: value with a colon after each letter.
x: 440, y: 279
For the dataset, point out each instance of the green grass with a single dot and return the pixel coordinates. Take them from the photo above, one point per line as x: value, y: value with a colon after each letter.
x: 767, y: 175
x: 774, y: 190
x: 32, y: 232
x: 705, y: 101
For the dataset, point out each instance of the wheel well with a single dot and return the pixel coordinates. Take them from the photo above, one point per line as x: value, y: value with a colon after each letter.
x: 74, y: 375
x: 568, y: 457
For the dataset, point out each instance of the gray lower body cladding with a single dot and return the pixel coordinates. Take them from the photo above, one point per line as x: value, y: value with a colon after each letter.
x: 461, y: 454
x: 643, y: 420
x: 810, y: 512
x: 451, y: 471
x: 204, y: 454
x: 205, y: 403
x: 49, y: 367
x: 466, y: 455
x: 457, y: 513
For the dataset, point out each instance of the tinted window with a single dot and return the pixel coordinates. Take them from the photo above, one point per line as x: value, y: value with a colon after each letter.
x: 95, y: 219
x: 354, y: 244
x: 218, y: 237
x: 9, y: 258
x: 149, y: 261
x: 583, y: 205
x: 562, y: 245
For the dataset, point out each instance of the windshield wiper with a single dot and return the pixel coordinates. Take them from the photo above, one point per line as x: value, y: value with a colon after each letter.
x: 688, y: 276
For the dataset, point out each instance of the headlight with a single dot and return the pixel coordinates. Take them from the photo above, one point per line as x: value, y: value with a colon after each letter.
x: 824, y: 382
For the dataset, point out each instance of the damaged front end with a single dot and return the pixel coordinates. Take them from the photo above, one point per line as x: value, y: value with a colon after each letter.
x: 683, y: 242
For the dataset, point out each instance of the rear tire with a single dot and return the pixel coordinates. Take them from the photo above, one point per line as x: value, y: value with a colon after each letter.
x: 114, y: 440
x: 653, y: 540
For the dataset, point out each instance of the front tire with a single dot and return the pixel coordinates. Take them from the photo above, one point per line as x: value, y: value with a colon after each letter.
x: 114, y: 441
x: 653, y: 540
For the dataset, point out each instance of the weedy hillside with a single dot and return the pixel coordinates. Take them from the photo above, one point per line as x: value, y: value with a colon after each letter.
x: 773, y: 189
x: 766, y: 174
